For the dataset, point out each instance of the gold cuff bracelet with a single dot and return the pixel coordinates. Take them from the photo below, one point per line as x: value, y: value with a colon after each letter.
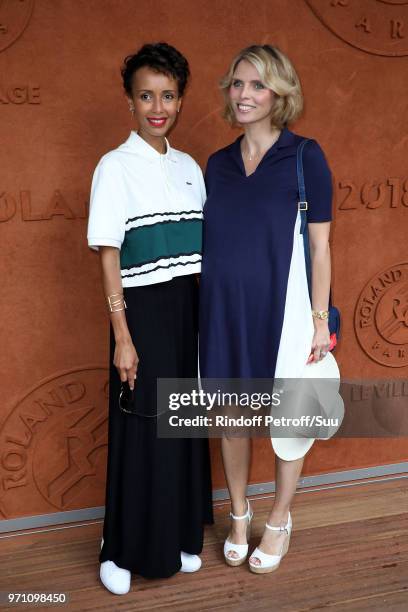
x: 115, y: 304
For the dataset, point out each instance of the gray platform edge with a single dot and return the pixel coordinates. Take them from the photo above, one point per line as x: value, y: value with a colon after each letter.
x: 96, y: 513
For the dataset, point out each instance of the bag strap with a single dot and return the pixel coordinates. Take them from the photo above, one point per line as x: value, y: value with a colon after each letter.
x: 302, y: 204
x: 302, y: 207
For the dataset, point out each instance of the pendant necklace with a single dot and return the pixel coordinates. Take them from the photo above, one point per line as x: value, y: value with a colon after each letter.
x: 252, y: 156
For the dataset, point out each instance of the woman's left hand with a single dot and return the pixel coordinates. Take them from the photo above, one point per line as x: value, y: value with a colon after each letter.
x: 320, y: 342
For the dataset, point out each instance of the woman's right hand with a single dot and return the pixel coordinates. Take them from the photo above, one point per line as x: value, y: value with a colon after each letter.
x: 126, y: 361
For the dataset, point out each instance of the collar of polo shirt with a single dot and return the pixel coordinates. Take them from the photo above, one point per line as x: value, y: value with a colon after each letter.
x: 136, y: 143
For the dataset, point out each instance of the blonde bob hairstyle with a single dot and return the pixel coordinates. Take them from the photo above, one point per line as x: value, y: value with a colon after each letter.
x: 278, y: 74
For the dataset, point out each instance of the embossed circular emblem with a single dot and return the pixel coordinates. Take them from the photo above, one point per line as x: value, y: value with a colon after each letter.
x: 381, y: 317
x: 375, y: 26
x: 53, y: 445
x: 14, y: 18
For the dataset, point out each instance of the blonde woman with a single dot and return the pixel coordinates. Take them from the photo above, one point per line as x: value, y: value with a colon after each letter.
x: 251, y: 219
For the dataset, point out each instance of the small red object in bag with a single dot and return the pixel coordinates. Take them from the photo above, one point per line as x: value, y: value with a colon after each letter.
x: 333, y: 342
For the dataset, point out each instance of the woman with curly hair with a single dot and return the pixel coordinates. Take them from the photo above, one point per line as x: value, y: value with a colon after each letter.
x: 146, y: 221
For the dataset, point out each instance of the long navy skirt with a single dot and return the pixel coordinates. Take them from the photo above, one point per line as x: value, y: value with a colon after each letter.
x: 158, y: 490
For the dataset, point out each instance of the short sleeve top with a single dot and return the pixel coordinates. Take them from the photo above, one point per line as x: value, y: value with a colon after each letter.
x: 250, y: 233
x: 149, y: 206
x: 318, y: 183
x: 278, y: 172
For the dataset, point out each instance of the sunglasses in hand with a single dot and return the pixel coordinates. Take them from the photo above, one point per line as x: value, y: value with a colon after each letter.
x: 127, y: 399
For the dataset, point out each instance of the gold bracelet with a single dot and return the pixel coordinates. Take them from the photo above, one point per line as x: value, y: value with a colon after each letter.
x: 115, y: 305
x: 320, y: 314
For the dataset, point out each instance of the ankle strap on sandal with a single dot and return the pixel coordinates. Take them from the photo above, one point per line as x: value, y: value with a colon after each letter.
x: 243, y: 516
x: 284, y: 528
x: 281, y: 527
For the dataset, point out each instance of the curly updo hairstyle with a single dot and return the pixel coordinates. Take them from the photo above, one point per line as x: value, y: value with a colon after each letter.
x: 160, y: 57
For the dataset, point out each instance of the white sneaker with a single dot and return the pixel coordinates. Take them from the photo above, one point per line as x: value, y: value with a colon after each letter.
x: 114, y: 578
x: 189, y: 563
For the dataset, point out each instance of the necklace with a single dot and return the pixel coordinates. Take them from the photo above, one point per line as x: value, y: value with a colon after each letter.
x: 252, y: 156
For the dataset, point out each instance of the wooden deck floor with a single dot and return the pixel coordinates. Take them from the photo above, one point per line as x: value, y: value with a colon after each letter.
x: 349, y: 551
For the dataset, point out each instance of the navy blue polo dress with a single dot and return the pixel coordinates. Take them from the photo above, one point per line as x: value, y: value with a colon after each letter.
x: 250, y: 250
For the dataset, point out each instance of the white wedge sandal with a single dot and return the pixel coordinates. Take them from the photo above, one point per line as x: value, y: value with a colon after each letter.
x: 269, y: 563
x: 240, y: 549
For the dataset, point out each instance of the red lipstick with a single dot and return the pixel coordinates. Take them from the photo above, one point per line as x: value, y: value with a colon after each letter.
x: 157, y: 122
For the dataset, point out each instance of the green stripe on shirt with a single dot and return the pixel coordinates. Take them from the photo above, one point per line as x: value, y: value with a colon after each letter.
x: 168, y: 239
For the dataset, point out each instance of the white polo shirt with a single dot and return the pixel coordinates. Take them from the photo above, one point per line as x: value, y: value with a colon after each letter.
x: 149, y: 206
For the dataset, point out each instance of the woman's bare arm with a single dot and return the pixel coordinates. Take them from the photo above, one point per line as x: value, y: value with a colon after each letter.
x: 321, y: 276
x: 125, y: 358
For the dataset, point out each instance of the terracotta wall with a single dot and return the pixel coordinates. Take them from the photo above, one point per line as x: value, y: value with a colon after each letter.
x: 62, y: 107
